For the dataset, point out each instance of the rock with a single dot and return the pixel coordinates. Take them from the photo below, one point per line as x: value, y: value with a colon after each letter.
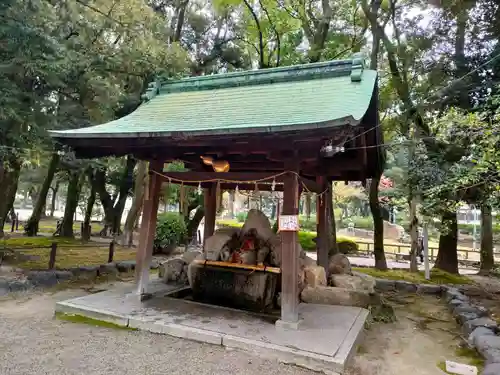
x: 189, y: 256
x: 108, y: 269
x: 172, y: 270
x: 214, y: 245
x: 154, y: 264
x: 314, y: 276
x: 4, y: 287
x: 125, y: 266
x: 491, y: 369
x: 19, y: 285
x: 64, y: 275
x: 384, y: 285
x: 339, y: 264
x: 327, y: 295
x: 429, y: 289
x: 454, y: 303
x: 405, y: 286
x: 471, y: 325
x: 307, y: 261
x: 463, y: 317
x: 479, y: 331
x: 454, y: 293
x: 466, y: 308
x: 257, y: 220
x: 473, y: 291
x: 364, y: 283
x: 42, y: 278
x: 489, y: 347
x: 275, y: 246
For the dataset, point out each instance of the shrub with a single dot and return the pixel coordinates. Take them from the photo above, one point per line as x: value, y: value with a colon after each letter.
x: 347, y: 246
x: 306, y: 240
x: 241, y: 217
x: 307, y: 225
x: 229, y: 224
x: 170, y: 231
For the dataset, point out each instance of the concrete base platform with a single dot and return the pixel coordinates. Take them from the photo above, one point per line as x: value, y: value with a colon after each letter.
x: 325, y: 340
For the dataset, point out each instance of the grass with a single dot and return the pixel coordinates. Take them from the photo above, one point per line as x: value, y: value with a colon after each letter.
x: 75, y: 318
x: 50, y: 226
x: 437, y: 276
x: 471, y: 357
x: 70, y: 253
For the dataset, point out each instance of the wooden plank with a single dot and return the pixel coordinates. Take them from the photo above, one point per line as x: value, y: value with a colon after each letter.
x: 144, y: 253
x: 237, y: 265
x: 289, y: 255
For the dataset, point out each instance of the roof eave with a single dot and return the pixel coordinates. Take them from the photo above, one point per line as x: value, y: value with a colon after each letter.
x: 348, y: 120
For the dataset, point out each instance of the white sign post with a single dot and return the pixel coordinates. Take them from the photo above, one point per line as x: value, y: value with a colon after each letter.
x: 288, y: 223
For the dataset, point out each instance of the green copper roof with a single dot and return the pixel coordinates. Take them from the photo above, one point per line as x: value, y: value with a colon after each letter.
x: 291, y: 98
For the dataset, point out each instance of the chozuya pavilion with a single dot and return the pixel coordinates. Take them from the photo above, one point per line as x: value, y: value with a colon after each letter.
x: 287, y: 129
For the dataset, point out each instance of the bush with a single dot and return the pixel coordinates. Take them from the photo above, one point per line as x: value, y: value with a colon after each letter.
x: 170, y: 231
x: 241, y: 217
x: 306, y: 240
x: 307, y: 225
x: 229, y: 224
x: 347, y: 246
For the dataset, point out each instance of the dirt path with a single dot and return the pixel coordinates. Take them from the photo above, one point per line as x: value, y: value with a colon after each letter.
x: 424, y: 336
x: 33, y: 342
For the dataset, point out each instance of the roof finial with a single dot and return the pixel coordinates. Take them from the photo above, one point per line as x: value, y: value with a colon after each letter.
x: 152, y: 90
x: 358, y: 65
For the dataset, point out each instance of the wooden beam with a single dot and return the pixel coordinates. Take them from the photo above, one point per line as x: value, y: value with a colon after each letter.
x: 289, y: 256
x: 144, y: 253
x: 210, y: 203
x: 322, y: 239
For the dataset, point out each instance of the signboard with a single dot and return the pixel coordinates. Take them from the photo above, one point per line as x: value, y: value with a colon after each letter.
x: 288, y: 223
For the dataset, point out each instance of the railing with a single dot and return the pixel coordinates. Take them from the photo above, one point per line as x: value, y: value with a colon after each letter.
x: 53, y: 250
x: 464, y: 254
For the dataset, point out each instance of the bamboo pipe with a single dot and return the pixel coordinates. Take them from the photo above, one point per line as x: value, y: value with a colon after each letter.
x: 237, y: 265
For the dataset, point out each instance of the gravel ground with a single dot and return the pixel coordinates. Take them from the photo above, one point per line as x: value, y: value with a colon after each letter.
x: 33, y: 342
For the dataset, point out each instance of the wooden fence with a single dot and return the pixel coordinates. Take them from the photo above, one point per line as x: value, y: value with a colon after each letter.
x: 468, y: 255
x: 55, y: 246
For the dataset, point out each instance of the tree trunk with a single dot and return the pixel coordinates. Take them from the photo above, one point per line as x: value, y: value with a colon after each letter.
x: 194, y: 223
x: 71, y: 205
x: 378, y: 226
x: 447, y: 257
x: 113, y: 206
x: 487, y: 259
x: 231, y: 203
x: 135, y: 209
x: 31, y: 227
x: 88, y: 214
x: 307, y: 206
x: 55, y: 189
x: 9, y: 178
x: 413, y: 234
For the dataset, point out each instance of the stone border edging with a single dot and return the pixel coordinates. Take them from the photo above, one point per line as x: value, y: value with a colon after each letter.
x: 481, y: 332
x: 49, y: 278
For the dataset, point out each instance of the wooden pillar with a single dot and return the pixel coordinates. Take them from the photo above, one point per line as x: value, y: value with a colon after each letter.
x: 322, y: 224
x: 210, y: 204
x: 289, y: 258
x: 148, y: 228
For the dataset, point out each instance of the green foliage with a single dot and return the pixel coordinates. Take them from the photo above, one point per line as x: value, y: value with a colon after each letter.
x: 170, y: 231
x: 347, y: 246
x: 241, y: 217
